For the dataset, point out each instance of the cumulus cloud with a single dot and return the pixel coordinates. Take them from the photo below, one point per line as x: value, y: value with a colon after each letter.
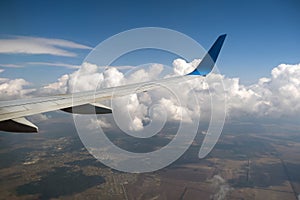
x: 37, y: 45
x: 86, y: 78
x: 275, y: 96
x: 102, y: 122
x: 271, y: 97
x: 14, y: 88
x: 133, y: 107
x: 182, y: 67
x: 59, y: 87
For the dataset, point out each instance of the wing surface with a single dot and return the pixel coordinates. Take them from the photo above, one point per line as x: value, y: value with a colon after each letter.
x: 13, y: 113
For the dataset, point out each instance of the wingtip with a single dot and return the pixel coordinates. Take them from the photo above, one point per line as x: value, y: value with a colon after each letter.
x: 222, y: 37
x: 208, y: 62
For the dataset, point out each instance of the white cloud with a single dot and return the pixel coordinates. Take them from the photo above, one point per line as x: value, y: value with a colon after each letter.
x: 88, y: 77
x: 181, y: 67
x: 14, y: 89
x: 66, y: 65
x: 59, y: 87
x: 11, y: 65
x: 271, y: 97
x: 58, y: 64
x: 36, y: 45
x: 102, y: 122
x: 112, y: 77
x: 175, y: 111
x: 136, y: 110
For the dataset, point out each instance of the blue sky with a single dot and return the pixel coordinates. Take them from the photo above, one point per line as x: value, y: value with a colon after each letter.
x: 261, y: 34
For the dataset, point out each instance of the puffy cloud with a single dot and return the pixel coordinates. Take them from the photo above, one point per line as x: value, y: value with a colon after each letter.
x: 14, y: 88
x: 111, y: 78
x: 102, y: 122
x: 271, y: 97
x: 86, y: 78
x: 133, y: 111
x: 175, y: 111
x: 37, y: 45
x: 59, y: 87
x: 142, y: 75
x: 182, y: 67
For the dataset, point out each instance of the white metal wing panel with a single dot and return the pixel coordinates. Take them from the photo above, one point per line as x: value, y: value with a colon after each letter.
x: 26, y: 107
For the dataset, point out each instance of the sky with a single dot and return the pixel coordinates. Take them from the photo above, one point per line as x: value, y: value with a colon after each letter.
x: 44, y: 43
x: 261, y: 34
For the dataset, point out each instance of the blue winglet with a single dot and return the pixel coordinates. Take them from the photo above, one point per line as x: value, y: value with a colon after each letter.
x: 208, y: 62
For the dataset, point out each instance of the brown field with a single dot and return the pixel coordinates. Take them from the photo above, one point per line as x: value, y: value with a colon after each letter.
x: 242, y: 166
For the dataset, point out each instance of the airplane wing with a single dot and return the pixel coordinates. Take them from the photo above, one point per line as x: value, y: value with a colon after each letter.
x: 13, y: 113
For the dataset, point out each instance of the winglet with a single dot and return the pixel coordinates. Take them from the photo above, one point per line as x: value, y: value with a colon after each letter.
x: 208, y: 62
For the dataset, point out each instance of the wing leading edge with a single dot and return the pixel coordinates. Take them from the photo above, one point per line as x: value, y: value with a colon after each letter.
x: 13, y: 113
